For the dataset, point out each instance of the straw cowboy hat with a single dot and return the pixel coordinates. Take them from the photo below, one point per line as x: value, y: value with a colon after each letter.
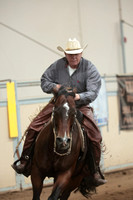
x: 72, y: 47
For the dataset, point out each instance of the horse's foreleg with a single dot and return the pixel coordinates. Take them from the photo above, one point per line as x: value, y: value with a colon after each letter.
x: 61, y: 183
x: 55, y: 194
x: 73, y: 184
x: 65, y: 195
x: 37, y: 183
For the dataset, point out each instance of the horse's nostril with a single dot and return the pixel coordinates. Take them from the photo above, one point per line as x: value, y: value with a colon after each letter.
x: 62, y: 141
x: 59, y: 140
x: 67, y: 140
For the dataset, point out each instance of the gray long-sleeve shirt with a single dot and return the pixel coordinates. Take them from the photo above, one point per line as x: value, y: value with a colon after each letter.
x: 86, y: 79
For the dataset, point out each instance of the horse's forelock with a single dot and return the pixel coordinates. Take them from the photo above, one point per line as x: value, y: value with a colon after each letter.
x: 71, y: 101
x: 65, y: 95
x: 60, y: 100
x: 63, y: 99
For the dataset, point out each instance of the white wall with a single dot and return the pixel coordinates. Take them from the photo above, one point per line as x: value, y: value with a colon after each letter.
x: 52, y: 23
x: 118, y: 153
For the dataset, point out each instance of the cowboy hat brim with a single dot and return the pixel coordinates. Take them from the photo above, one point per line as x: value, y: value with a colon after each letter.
x: 73, y: 51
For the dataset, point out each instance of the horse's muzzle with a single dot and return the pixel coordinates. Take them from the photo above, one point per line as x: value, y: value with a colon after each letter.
x: 62, y: 145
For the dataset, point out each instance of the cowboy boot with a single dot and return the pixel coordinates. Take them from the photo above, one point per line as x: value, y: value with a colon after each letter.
x: 26, y: 153
x: 98, y: 178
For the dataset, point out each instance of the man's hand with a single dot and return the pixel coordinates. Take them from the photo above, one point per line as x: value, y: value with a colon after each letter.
x: 58, y: 86
x: 77, y: 97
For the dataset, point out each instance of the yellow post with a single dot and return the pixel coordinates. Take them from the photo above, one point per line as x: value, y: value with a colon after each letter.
x: 12, y: 114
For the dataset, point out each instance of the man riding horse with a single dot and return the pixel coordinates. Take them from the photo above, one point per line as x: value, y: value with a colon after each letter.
x: 76, y: 72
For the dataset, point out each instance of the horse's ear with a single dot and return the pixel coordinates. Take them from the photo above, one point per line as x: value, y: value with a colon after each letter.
x: 59, y: 91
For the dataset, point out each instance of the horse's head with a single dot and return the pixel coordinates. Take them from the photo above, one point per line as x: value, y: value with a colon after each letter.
x: 64, y: 113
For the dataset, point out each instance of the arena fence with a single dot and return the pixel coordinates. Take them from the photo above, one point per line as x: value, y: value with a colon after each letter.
x: 29, y: 99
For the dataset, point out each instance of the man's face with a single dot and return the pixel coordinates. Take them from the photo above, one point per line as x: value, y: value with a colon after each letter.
x: 73, y: 59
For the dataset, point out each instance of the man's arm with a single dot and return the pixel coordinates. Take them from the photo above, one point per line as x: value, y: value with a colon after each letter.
x: 93, y: 85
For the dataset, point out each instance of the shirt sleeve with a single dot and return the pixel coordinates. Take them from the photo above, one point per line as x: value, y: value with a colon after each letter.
x: 47, y: 79
x: 93, y: 85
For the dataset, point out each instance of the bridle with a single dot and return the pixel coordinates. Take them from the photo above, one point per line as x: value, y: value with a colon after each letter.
x: 54, y: 131
x: 66, y: 92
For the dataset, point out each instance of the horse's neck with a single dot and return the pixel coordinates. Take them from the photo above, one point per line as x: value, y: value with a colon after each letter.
x: 46, y: 133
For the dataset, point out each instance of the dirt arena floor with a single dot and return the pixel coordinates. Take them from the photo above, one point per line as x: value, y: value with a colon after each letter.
x: 119, y: 187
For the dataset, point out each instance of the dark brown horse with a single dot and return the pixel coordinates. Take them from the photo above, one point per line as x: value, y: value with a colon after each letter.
x: 60, y: 151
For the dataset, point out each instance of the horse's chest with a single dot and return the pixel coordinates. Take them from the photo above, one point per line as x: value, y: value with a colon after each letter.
x: 62, y: 164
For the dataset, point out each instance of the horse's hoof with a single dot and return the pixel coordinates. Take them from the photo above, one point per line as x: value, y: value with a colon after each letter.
x: 98, y: 180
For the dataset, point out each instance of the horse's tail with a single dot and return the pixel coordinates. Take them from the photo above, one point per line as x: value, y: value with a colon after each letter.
x: 86, y: 187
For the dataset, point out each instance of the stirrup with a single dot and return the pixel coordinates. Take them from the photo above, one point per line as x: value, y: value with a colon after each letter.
x: 18, y: 168
x: 21, y: 167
